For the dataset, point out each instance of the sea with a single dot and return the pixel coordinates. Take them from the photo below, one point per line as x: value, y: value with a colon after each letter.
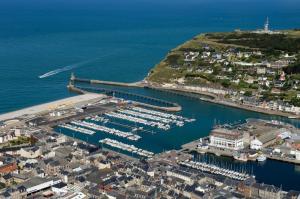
x: 43, y: 42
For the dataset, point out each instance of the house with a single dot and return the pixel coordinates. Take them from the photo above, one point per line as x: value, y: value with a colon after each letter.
x: 60, y: 188
x: 256, y: 144
x: 191, y: 56
x: 7, y: 179
x: 103, y: 164
x: 14, y: 193
x: 19, y: 193
x: 6, y: 137
x: 183, y: 175
x: 19, y: 178
x: 261, y: 70
x: 53, y: 166
x: 265, y: 191
x: 295, y: 142
x: 269, y: 137
x: 31, y: 152
x: 224, y: 138
x: 8, y: 167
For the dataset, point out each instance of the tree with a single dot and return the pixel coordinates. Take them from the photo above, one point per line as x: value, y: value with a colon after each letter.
x: 248, y: 93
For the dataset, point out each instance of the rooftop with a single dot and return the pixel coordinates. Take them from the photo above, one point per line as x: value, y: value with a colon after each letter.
x: 226, y: 133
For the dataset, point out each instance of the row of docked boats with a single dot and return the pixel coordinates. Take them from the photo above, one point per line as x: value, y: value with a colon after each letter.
x: 127, y: 147
x: 151, y: 117
x: 99, y: 119
x: 127, y: 135
x: 77, y: 129
x: 162, y: 114
x: 213, y: 169
x: 159, y: 125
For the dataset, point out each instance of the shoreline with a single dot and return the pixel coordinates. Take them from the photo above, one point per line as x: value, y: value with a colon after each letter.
x: 210, y: 97
x: 229, y: 104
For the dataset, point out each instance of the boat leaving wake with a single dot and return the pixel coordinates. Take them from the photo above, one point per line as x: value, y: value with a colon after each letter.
x: 63, y: 69
x: 73, y: 66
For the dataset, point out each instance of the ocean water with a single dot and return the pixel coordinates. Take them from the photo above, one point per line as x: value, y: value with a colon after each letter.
x: 122, y: 40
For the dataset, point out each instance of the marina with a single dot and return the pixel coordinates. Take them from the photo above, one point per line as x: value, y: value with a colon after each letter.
x: 139, y: 120
x: 133, y: 128
x: 116, y: 132
x: 162, y: 114
x: 160, y: 141
x: 152, y: 117
x: 149, y: 117
x: 129, y: 123
x: 126, y: 147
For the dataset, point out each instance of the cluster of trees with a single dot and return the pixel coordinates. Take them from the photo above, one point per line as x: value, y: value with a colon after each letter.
x: 293, y: 68
x: 295, y: 101
x: 173, y: 59
x: 20, y: 140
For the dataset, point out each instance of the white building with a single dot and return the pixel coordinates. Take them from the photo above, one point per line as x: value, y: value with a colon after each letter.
x: 261, y: 70
x: 297, y: 153
x: 181, y: 175
x: 224, y: 138
x: 6, y: 137
x: 256, y: 144
x: 191, y: 56
x: 32, y: 152
x: 36, y: 184
x: 60, y: 188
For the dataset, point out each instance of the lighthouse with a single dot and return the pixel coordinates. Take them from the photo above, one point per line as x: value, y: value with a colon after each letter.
x: 266, y: 27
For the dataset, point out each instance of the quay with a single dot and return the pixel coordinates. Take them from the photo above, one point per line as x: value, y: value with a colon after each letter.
x: 282, y: 159
x: 201, y: 95
x: 193, y: 147
x: 109, y: 83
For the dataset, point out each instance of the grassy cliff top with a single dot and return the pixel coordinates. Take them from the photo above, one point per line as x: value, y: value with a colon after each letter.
x: 173, y: 66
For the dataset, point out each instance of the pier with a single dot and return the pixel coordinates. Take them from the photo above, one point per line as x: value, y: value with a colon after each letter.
x: 135, y: 99
x: 143, y: 84
x: 110, y: 83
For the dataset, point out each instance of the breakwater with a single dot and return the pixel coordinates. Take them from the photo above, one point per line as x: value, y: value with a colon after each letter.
x: 136, y: 99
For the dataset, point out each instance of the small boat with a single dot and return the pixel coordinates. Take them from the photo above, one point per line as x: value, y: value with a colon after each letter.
x: 293, y: 117
x: 261, y: 158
